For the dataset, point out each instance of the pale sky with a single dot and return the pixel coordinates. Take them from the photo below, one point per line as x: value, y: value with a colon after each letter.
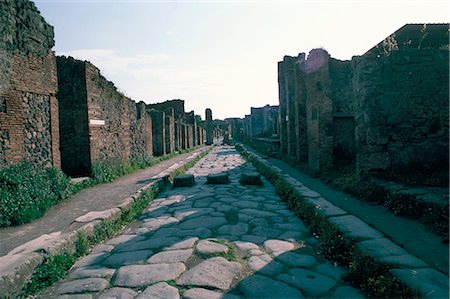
x: 220, y: 54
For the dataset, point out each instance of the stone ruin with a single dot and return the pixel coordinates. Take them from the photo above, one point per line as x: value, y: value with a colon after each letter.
x: 61, y: 112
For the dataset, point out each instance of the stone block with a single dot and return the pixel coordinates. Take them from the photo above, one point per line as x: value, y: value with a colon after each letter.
x: 251, y: 178
x: 217, y: 178
x: 185, y: 180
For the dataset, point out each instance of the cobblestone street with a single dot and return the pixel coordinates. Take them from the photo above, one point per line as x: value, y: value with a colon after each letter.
x: 206, y: 240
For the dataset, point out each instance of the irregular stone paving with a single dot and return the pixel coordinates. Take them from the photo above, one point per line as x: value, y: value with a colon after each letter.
x: 209, y: 241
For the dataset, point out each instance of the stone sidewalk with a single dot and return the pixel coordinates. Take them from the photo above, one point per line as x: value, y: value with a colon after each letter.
x: 23, y: 248
x: 209, y: 241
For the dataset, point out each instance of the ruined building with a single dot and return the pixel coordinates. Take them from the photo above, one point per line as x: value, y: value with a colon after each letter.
x: 383, y: 111
x: 28, y: 86
x: 97, y: 123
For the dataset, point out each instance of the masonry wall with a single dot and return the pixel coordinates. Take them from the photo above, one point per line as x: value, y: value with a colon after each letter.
x: 402, y: 110
x: 28, y: 85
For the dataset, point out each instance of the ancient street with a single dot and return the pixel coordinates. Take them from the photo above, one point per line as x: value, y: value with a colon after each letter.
x: 205, y: 240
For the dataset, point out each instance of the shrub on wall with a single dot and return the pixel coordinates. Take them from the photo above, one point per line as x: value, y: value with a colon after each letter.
x: 27, y: 193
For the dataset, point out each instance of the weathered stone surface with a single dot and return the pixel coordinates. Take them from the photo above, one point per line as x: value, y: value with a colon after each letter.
x: 91, y: 260
x: 235, y: 229
x: 192, y: 213
x: 430, y: 283
x: 100, y: 272
x: 75, y: 296
x: 185, y: 180
x: 95, y: 215
x: 244, y: 248
x: 83, y: 285
x: 355, y: 227
x: 215, y: 272
x: 265, y: 264
x: 156, y: 223
x: 312, y: 283
x: 188, y: 243
x: 198, y: 232
x: 277, y: 245
x: 293, y: 259
x: 330, y: 270
x: 257, y: 286
x: 266, y: 232
x: 381, y: 248
x: 142, y: 275
x: 117, y: 260
x: 199, y: 293
x: 257, y: 213
x: 204, y: 222
x: 122, y: 293
x: 15, y: 270
x: 209, y: 247
x: 146, y: 245
x: 217, y: 178
x: 405, y: 260
x: 253, y: 239
x: 160, y: 290
x: 171, y: 256
x: 122, y: 239
x: 251, y: 178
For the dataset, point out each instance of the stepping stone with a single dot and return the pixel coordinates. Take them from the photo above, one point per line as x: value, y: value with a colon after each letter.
x: 210, y: 247
x: 184, y: 180
x: 142, y: 275
x: 215, y: 272
x: 257, y: 286
x: 159, y: 291
x: 217, y: 178
x: 251, y: 178
x: 122, y: 293
x: 83, y: 285
x: 199, y: 293
x: 311, y: 282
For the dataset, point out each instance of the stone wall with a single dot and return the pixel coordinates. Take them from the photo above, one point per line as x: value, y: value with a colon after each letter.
x: 384, y: 111
x: 402, y: 109
x: 28, y: 85
x: 98, y: 123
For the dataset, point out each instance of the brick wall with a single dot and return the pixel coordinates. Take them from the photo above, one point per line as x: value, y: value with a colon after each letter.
x: 29, y: 127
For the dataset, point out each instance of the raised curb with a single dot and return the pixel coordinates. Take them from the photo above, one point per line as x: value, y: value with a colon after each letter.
x: 371, y: 241
x: 17, y: 267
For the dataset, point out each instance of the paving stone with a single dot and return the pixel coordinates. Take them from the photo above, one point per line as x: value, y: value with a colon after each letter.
x: 117, y: 260
x: 121, y: 239
x: 215, y: 272
x: 234, y: 229
x: 98, y: 272
x: 405, y: 260
x: 244, y: 218
x: 203, y: 203
x: 247, y: 204
x: 142, y: 275
x: 165, y: 232
x: 253, y: 239
x: 147, y: 244
x: 98, y: 215
x: 257, y: 213
x: 330, y: 270
x: 257, y: 286
x: 347, y: 292
x: 278, y: 245
x: 277, y: 219
x: 306, y: 192
x: 198, y: 232
x: 311, y: 282
x: 160, y: 290
x: 265, y: 264
x: 259, y: 222
x: 245, y: 247
x: 184, y: 180
x: 74, y: 296
x: 199, y: 293
x: 267, y: 232
x: 91, y: 259
x: 192, y: 213
x: 298, y: 227
x: 122, y: 293
x: 102, y: 248
x: 293, y: 259
x: 430, y: 283
x: 203, y: 221
x: 156, y: 223
x: 209, y: 247
x: 256, y: 252
x: 250, y: 178
x: 291, y: 236
x: 355, y: 227
x: 217, y: 178
x: 380, y: 248
x: 171, y: 256
x: 83, y: 285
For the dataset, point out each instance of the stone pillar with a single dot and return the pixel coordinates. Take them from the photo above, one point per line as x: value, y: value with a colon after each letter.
x: 209, y: 127
x: 170, y: 130
x: 158, y: 133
